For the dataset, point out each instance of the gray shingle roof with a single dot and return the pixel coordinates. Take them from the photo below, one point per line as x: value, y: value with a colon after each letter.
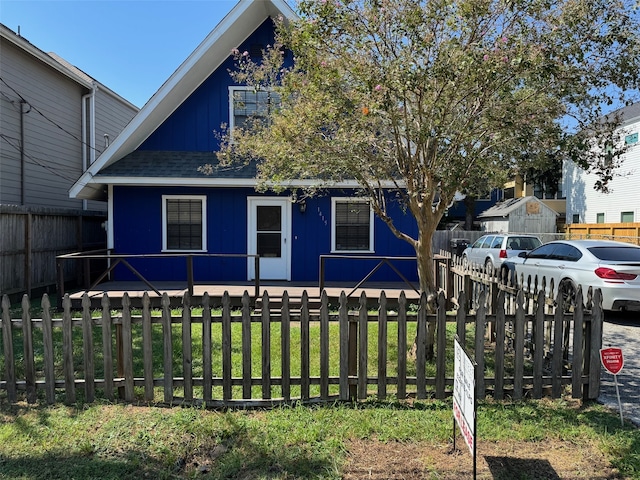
x: 161, y: 164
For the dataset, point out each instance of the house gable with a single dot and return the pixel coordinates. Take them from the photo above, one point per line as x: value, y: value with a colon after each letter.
x: 194, y: 125
x: 245, y: 18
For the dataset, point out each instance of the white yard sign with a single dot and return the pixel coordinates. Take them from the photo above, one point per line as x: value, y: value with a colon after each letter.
x: 464, y: 395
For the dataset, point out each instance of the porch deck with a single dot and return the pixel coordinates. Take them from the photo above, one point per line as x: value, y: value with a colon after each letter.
x: 176, y: 291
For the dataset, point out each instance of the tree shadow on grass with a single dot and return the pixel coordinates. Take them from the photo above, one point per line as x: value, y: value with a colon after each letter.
x: 510, y: 468
x: 56, y: 467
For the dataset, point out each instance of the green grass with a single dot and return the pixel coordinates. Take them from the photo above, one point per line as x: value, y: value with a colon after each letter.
x: 299, y: 442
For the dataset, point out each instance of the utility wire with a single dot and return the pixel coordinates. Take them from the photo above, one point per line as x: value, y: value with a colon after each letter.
x: 46, y: 117
x: 57, y: 171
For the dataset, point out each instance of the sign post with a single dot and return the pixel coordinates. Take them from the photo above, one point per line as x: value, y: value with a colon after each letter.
x: 464, y: 399
x: 613, y: 361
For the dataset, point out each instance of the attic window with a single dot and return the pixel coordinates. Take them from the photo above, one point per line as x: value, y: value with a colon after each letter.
x: 246, y: 103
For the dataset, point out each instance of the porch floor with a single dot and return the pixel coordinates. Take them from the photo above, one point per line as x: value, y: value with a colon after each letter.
x: 176, y: 290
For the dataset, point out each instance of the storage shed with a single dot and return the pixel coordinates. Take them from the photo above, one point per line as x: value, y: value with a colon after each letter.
x: 522, y: 215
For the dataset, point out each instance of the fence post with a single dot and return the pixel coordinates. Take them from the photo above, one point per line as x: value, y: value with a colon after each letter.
x: 266, y: 347
x: 345, y: 356
x: 67, y: 351
x: 498, y: 393
x: 353, y: 355
x: 518, y: 374
x: 324, y: 346
x: 187, y: 348
x: 481, y: 316
x: 594, y: 330
x: 27, y: 342
x: 246, y: 345
x: 107, y: 345
x: 421, y: 348
x: 362, y: 351
x: 402, y: 346
x: 227, y: 384
x: 441, y: 332
x: 87, y: 346
x: 127, y: 348
x: 7, y: 343
x: 578, y: 346
x: 382, y: 347
x: 167, y: 348
x: 48, y: 353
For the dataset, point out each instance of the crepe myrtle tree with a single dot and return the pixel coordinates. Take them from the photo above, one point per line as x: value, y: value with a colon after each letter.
x: 417, y: 100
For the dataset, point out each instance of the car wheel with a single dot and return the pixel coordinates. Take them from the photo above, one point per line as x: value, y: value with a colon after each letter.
x: 567, y: 290
x: 488, y: 266
x: 465, y: 262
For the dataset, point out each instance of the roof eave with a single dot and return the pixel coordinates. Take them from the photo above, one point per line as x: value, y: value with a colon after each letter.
x: 234, y: 28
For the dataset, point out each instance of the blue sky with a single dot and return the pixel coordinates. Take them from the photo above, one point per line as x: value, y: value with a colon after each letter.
x: 130, y: 46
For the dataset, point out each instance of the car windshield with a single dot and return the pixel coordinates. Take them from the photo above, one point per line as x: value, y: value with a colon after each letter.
x: 616, y: 254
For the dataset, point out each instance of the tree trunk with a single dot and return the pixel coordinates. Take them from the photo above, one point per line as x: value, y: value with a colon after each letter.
x: 426, y: 275
x: 469, y: 213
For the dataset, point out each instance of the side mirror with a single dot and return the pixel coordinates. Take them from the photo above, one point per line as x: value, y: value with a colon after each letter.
x: 523, y: 254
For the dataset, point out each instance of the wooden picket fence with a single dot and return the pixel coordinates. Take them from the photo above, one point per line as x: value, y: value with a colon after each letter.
x: 224, y: 357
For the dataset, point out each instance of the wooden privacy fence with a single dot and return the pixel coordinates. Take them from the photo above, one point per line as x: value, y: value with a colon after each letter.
x: 221, y: 357
x: 30, y: 239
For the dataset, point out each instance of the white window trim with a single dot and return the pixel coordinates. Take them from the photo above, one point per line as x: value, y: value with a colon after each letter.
x: 203, y: 203
x: 336, y: 200
x: 232, y: 90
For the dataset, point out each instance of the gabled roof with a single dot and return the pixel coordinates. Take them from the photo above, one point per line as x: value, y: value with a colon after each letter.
x: 234, y: 28
x: 503, y: 209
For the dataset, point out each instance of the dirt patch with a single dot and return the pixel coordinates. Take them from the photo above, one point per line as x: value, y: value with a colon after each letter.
x: 370, y: 459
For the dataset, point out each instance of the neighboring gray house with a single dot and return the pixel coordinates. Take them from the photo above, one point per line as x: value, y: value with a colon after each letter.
x: 520, y: 215
x: 54, y: 122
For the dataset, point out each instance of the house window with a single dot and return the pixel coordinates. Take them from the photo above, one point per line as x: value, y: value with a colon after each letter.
x: 576, y: 218
x: 543, y: 191
x: 631, y: 139
x: 599, y: 217
x: 626, y: 217
x: 246, y: 102
x: 352, y: 228
x: 184, y: 223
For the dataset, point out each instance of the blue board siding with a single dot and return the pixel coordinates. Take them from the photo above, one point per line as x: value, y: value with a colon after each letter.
x: 138, y: 230
x: 193, y: 126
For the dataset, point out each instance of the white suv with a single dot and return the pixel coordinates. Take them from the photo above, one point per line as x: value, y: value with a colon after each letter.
x: 491, y: 250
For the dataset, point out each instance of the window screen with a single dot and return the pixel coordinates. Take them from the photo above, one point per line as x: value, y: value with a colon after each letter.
x: 252, y: 103
x: 352, y: 225
x: 184, y: 224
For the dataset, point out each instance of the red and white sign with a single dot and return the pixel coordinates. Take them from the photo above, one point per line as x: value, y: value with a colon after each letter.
x: 612, y: 359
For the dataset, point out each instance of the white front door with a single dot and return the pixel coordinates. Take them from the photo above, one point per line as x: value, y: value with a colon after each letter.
x: 269, y: 232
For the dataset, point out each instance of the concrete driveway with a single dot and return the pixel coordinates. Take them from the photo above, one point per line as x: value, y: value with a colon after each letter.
x: 622, y: 330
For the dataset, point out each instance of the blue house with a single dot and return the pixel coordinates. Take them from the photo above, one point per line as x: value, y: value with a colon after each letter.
x: 159, y: 203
